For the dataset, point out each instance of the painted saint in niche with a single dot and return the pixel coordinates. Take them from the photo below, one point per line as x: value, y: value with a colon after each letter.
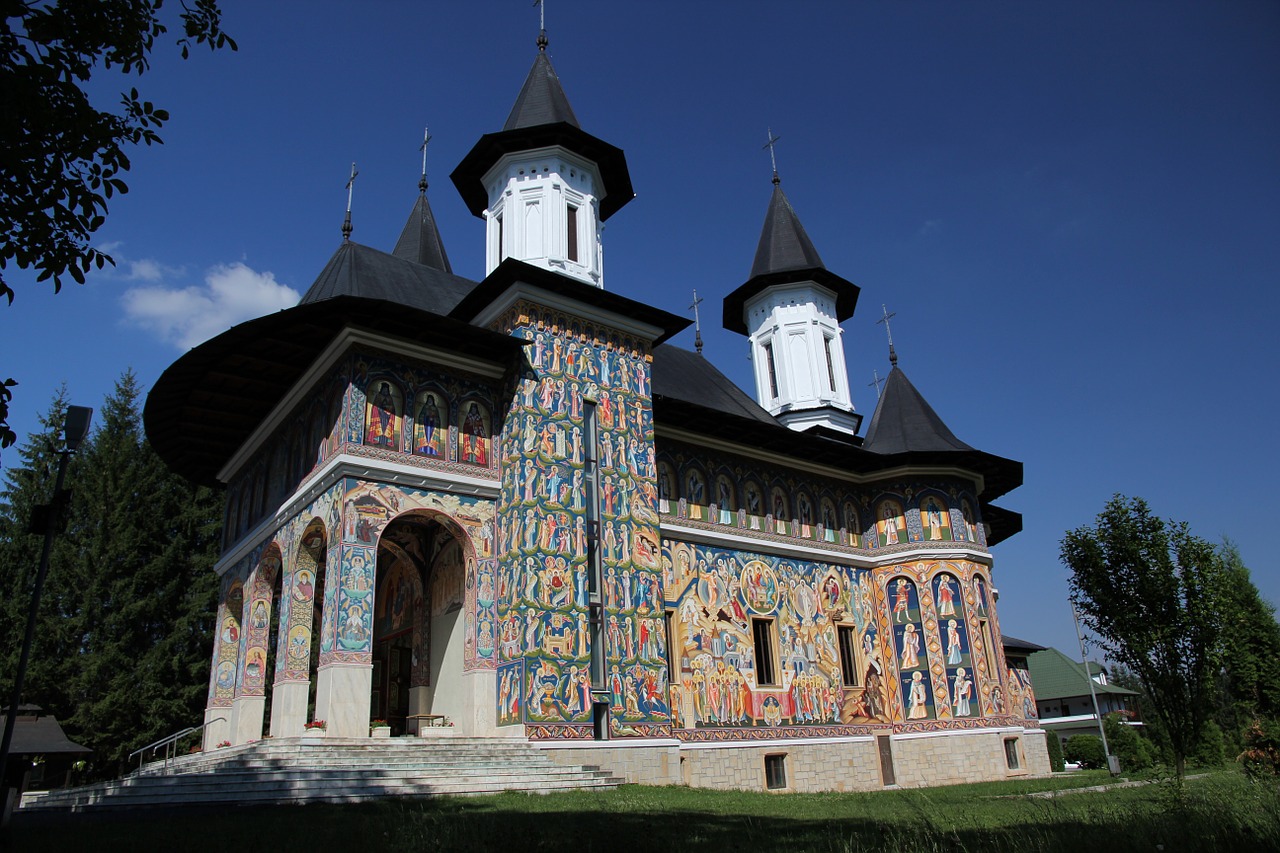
x: 918, y: 697
x: 230, y: 631
x: 804, y: 508
x: 891, y: 526
x: 901, y: 601
x: 954, y: 649
x: 828, y: 520
x: 851, y: 525
x: 970, y: 527
x: 724, y: 499
x: 961, y: 694
x: 946, y: 596
x: 931, y: 516
x: 303, y: 587
x: 382, y: 417
x: 910, y: 647
x: 474, y: 437
x: 430, y: 426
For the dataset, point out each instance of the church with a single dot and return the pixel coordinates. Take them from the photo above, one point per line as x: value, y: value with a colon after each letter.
x: 511, y: 509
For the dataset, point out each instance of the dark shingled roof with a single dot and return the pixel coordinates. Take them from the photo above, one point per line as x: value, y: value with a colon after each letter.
x: 905, y: 422
x: 541, y: 100
x: 420, y: 240
x: 1013, y: 644
x: 682, y: 375
x: 786, y: 255
x: 542, y: 118
x: 356, y: 270
x: 42, y: 735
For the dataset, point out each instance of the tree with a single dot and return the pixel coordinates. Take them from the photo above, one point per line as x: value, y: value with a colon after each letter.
x: 63, y: 156
x: 131, y: 595
x: 1249, y: 680
x: 1155, y: 597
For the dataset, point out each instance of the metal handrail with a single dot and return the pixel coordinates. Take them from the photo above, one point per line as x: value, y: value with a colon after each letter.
x: 171, y: 742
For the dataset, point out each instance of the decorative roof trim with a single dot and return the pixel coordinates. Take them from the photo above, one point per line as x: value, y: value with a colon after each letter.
x: 523, y: 290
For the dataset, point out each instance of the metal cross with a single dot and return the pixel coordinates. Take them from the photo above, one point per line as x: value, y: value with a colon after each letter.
x: 893, y: 356
x: 773, y: 160
x: 876, y: 383
x: 697, y: 322
x: 351, y: 182
x: 426, y: 137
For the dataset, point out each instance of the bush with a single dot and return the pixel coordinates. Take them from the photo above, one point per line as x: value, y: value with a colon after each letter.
x: 1261, y: 756
x: 1211, y: 749
x: 1131, y: 748
x: 1086, y: 750
x: 1054, y: 743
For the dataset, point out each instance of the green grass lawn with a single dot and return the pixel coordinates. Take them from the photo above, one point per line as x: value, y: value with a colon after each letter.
x: 1220, y: 812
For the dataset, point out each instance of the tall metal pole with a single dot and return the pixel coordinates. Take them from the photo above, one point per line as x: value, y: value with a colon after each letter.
x: 1106, y: 750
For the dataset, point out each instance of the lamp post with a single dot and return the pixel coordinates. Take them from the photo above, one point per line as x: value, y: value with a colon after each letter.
x: 1113, y: 763
x: 46, y: 519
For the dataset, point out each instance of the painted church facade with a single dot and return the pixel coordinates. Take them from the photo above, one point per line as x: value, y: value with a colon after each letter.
x: 511, y: 506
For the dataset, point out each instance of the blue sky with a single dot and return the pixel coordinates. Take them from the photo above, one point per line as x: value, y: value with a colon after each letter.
x: 1072, y: 208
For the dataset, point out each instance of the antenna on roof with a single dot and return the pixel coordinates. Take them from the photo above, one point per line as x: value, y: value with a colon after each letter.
x: 893, y: 356
x: 876, y: 382
x: 351, y: 182
x: 542, y: 24
x: 426, y: 137
x: 697, y: 323
x: 773, y: 140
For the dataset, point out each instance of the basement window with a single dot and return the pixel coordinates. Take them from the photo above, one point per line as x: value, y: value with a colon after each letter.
x: 775, y: 772
x: 1011, y: 753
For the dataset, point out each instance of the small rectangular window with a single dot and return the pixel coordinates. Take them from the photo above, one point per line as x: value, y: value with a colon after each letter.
x: 848, y: 657
x: 762, y: 635
x: 775, y: 772
x: 1011, y: 753
x: 501, y: 249
x: 571, y: 228
x: 673, y: 656
x: 831, y: 368
x: 773, y: 371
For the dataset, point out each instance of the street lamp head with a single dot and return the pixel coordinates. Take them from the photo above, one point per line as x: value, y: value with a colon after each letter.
x: 76, y: 426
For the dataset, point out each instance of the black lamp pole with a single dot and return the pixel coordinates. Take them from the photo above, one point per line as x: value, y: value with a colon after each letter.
x: 75, y: 428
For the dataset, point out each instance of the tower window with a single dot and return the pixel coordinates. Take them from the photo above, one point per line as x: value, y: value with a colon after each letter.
x: 571, y: 228
x: 501, y: 247
x: 762, y: 635
x: 848, y: 660
x: 773, y: 371
x: 831, y: 369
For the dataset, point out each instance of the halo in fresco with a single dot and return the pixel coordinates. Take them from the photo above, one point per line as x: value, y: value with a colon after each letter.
x: 759, y: 587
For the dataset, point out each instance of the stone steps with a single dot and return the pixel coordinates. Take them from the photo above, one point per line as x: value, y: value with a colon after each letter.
x: 288, y: 770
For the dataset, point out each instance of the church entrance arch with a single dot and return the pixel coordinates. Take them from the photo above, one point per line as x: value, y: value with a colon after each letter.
x: 417, y: 625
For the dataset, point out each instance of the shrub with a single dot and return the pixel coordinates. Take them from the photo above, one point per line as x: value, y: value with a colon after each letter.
x: 1211, y: 749
x: 1125, y: 742
x: 1086, y: 750
x: 1261, y: 756
x: 1054, y: 743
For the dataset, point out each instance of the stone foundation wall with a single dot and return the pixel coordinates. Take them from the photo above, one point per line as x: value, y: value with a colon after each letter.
x: 847, y: 765
x: 639, y: 762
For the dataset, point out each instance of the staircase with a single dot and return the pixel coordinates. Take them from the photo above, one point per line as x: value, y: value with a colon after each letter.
x: 332, y: 770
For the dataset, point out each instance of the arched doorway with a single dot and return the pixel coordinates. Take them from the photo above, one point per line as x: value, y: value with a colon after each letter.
x: 417, y: 624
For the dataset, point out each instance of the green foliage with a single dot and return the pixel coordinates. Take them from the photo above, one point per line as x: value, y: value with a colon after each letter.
x: 1086, y: 750
x: 63, y: 155
x: 1133, y: 750
x: 1249, y: 680
x: 1156, y: 598
x: 1054, y: 745
x: 122, y: 652
x: 1211, y: 748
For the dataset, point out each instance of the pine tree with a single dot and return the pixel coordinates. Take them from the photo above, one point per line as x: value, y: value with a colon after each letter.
x: 1249, y: 681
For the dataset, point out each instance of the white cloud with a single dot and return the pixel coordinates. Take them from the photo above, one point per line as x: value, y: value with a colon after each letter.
x: 186, y: 316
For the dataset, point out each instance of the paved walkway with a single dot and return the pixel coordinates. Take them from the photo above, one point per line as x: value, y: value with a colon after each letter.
x: 1107, y: 787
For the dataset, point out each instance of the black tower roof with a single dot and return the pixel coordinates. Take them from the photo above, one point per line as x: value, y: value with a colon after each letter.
x: 420, y: 240
x: 542, y: 118
x: 904, y: 421
x: 786, y: 255
x: 357, y: 270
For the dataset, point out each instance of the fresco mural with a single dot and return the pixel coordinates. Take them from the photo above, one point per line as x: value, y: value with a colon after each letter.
x: 721, y: 601
x: 909, y: 644
x: 542, y: 598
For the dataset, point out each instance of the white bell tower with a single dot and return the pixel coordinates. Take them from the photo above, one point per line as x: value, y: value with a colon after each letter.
x: 790, y: 310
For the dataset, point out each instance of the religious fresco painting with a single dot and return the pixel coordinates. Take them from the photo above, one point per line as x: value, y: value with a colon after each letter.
x: 911, y: 653
x: 226, y: 649
x: 727, y: 605
x: 891, y: 525
x: 542, y: 584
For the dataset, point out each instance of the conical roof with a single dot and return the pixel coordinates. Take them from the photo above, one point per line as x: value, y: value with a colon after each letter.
x: 420, y: 240
x: 783, y: 245
x: 904, y: 422
x: 786, y: 255
x: 541, y: 100
x: 360, y: 271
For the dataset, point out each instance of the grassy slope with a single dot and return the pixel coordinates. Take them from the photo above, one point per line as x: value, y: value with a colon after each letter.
x: 1223, y: 812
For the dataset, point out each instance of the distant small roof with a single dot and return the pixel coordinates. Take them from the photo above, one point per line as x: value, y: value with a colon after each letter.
x: 1056, y: 676
x: 786, y: 255
x: 679, y: 374
x: 357, y: 270
x: 42, y: 736
x: 541, y: 118
x: 420, y: 240
x: 1013, y: 644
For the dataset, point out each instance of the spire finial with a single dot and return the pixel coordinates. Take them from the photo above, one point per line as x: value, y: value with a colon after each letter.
x: 697, y: 323
x: 893, y: 356
x: 351, y: 182
x: 876, y: 382
x: 773, y: 140
x: 542, y: 25
x: 426, y: 137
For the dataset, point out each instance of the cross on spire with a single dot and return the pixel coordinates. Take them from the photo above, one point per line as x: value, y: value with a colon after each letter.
x: 773, y: 160
x: 697, y: 323
x: 426, y: 137
x: 893, y: 356
x: 542, y: 24
x: 876, y: 382
x: 351, y: 182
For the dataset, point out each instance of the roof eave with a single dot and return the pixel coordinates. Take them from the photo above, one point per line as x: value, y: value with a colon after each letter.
x: 846, y: 293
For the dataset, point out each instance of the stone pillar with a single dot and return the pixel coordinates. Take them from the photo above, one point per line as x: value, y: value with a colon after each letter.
x: 342, y: 698
x: 217, y: 727
x: 246, y: 719
x: 289, y: 708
